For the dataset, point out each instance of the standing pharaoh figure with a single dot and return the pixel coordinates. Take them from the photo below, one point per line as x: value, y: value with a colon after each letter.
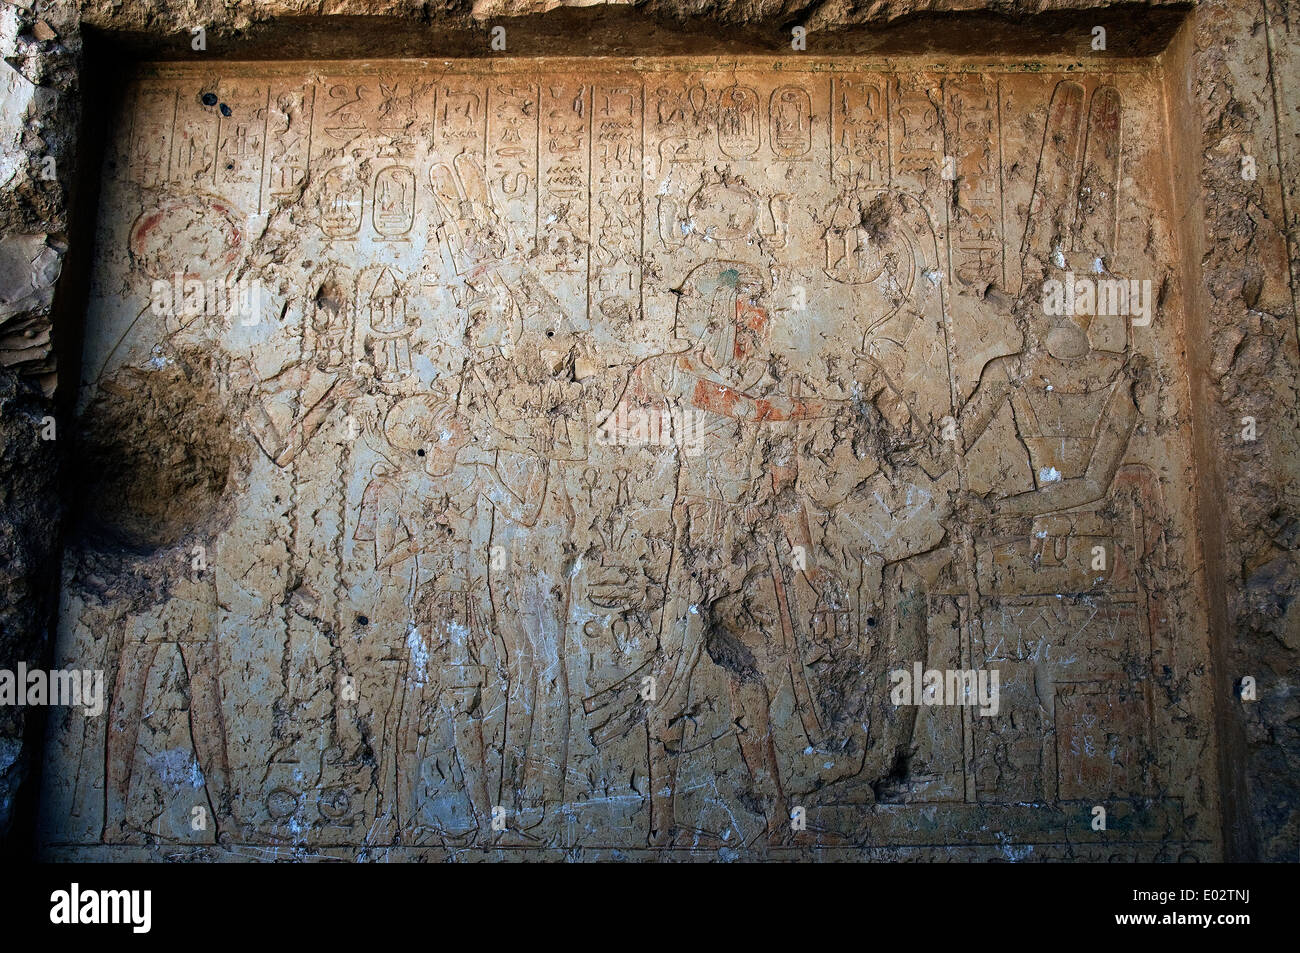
x: 519, y: 379
x: 727, y: 594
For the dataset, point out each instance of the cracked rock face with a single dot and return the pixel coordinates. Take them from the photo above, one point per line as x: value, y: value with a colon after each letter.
x: 779, y: 456
x: 611, y: 454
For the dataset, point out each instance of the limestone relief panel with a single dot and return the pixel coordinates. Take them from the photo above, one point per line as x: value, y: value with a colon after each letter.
x: 597, y: 459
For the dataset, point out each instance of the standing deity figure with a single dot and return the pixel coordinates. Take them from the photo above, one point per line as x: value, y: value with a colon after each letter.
x: 426, y: 521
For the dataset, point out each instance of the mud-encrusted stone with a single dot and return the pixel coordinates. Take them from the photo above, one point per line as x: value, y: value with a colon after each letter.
x: 171, y: 477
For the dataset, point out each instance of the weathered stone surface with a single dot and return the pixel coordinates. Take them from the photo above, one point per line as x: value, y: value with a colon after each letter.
x: 1242, y: 75
x: 38, y: 123
x: 289, y: 454
x: 30, y: 500
x: 604, y: 439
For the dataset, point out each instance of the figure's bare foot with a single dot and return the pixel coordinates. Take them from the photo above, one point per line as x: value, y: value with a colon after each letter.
x: 687, y: 838
x: 119, y: 832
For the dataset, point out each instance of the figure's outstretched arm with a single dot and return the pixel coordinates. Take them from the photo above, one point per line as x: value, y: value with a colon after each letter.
x: 282, y: 448
x: 305, y: 428
x: 995, y: 386
x: 388, y: 551
x: 980, y: 409
x: 524, y: 509
x: 720, y: 398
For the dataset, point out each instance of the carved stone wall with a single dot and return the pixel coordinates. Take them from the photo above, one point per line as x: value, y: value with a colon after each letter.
x: 564, y: 455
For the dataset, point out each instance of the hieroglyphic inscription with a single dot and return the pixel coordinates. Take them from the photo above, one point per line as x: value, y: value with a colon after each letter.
x: 606, y: 441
